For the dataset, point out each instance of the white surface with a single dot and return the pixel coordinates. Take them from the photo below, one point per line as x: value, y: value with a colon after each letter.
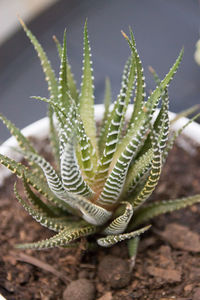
x: 41, y: 128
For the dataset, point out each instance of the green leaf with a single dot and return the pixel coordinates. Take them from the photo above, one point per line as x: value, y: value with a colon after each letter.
x: 145, y: 191
x: 92, y: 213
x: 115, y: 181
x: 37, y: 202
x: 107, y: 102
x: 62, y: 239
x: 111, y: 240
x: 72, y: 178
x: 153, y: 98
x: 133, y: 247
x: 63, y: 84
x: 144, y: 214
x: 39, y: 216
x: 65, y: 121
x: 130, y: 86
x: 119, y: 224
x: 15, y: 167
x: 151, y: 104
x: 35, y: 181
x: 87, y: 157
x: 53, y: 180
x: 46, y: 65
x: 136, y: 171
x: 116, y: 122
x: 86, y: 98
x: 72, y: 84
x: 70, y: 77
x: 85, y: 153
x: 53, y: 135
x: 140, y: 86
x: 160, y: 126
x: 23, y: 142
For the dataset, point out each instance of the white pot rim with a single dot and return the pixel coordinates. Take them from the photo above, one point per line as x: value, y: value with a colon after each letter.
x: 40, y: 129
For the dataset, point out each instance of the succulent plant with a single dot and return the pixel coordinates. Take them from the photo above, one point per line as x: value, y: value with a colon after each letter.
x: 102, y: 181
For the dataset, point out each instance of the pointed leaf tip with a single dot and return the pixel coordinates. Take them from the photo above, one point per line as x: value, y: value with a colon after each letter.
x: 86, y: 21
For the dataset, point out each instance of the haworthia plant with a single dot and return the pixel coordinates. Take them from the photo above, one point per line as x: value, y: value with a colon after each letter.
x: 102, y: 181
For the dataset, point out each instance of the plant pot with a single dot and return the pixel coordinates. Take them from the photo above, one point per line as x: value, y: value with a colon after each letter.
x: 162, y: 268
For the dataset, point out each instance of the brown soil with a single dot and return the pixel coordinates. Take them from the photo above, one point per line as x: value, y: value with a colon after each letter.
x: 167, y: 265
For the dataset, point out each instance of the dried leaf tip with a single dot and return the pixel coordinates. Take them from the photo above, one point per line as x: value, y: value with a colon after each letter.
x: 151, y: 69
x: 124, y: 35
x: 21, y: 21
x: 145, y: 109
x: 54, y: 38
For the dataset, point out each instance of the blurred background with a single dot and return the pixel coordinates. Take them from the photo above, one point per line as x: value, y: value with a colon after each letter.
x: 161, y: 28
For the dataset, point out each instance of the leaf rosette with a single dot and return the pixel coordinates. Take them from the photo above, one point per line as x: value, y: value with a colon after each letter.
x: 102, y: 181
